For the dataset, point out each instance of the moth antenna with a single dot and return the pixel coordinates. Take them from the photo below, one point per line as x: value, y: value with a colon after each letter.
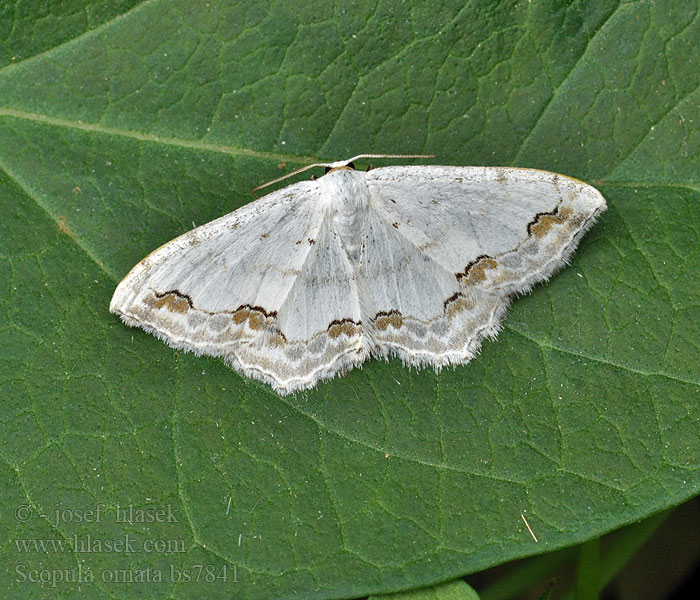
x: 354, y: 158
x: 391, y: 156
x: 295, y: 172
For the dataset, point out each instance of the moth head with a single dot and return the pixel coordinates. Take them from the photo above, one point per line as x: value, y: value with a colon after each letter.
x: 341, y: 165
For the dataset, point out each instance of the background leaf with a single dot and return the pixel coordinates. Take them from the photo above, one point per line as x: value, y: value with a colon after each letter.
x: 455, y: 590
x: 123, y: 124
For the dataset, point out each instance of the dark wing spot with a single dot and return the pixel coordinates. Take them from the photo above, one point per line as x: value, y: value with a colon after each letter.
x: 475, y: 271
x: 393, y: 318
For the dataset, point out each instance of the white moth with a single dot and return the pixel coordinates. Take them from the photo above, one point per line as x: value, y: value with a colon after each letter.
x: 307, y: 282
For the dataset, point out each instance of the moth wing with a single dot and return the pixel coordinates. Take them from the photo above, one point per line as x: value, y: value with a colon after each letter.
x: 249, y: 287
x: 490, y: 232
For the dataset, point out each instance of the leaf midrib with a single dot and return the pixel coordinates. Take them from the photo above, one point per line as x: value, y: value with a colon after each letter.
x: 156, y: 139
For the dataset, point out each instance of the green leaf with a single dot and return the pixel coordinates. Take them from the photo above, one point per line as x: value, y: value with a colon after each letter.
x: 122, y: 124
x: 454, y: 590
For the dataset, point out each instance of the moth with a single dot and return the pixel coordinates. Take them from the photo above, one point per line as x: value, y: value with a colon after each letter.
x: 309, y: 281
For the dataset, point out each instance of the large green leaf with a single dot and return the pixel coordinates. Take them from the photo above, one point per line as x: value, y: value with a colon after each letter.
x: 121, y: 125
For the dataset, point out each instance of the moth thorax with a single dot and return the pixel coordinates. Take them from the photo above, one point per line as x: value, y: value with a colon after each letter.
x: 347, y: 196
